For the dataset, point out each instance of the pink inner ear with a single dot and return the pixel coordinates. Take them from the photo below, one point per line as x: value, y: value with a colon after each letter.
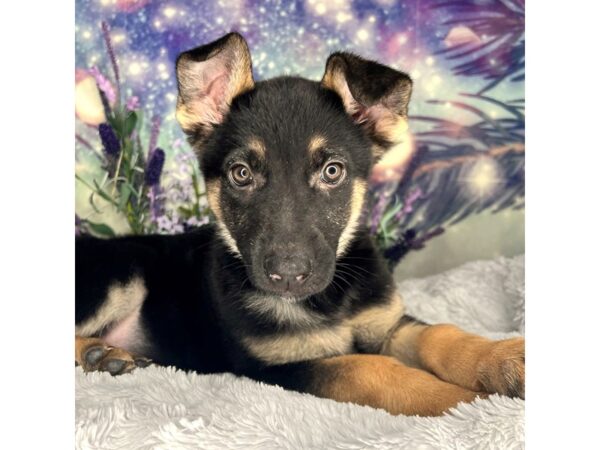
x: 216, y: 88
x: 216, y: 95
x: 376, y: 113
x: 210, y: 103
x: 372, y: 114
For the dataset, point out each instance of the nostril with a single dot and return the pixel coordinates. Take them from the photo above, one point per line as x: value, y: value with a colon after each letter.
x: 287, y: 270
x: 300, y: 278
x: 275, y: 277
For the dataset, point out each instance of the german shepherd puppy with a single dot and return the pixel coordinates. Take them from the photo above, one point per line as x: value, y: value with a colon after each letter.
x: 285, y: 288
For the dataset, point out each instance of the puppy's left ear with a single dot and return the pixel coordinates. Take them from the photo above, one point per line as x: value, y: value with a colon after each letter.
x: 374, y: 95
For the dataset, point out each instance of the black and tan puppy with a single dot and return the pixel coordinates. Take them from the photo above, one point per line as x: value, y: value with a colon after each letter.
x: 286, y: 288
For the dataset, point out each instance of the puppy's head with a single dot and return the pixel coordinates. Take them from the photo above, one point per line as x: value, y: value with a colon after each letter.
x: 286, y: 161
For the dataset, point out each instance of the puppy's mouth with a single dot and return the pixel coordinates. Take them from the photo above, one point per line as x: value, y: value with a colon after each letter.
x: 291, y: 292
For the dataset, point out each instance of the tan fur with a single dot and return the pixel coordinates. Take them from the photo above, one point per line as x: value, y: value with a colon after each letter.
x: 186, y: 117
x: 359, y: 189
x: 284, y: 311
x: 122, y: 301
x: 316, y: 142
x: 82, y: 344
x: 291, y: 347
x: 213, y: 192
x: 372, y: 326
x: 241, y: 76
x: 334, y: 79
x: 473, y: 361
x: 394, y: 129
x: 383, y: 382
x: 258, y: 147
x: 403, y: 344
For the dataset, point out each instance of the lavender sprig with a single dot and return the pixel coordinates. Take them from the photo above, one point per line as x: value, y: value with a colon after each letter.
x: 113, y: 59
x: 155, y: 166
x: 103, y: 84
x: 109, y: 139
x: 155, y: 198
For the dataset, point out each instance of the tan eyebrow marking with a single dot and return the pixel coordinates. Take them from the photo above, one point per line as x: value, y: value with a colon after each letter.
x: 258, y: 147
x: 316, y: 142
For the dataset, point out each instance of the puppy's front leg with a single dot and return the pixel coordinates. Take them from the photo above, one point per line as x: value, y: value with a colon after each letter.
x: 456, y: 356
x: 372, y: 380
x: 94, y: 354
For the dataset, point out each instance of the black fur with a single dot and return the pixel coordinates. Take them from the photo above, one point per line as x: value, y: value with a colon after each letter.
x: 193, y: 317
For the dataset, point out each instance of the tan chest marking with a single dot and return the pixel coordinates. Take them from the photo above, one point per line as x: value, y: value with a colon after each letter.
x: 123, y: 301
x: 287, y: 348
x: 281, y: 310
x: 371, y: 328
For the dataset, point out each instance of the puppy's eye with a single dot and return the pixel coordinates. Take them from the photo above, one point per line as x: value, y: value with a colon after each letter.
x: 333, y: 172
x: 240, y: 175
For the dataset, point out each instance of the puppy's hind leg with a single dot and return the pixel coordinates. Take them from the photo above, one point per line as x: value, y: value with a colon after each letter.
x: 94, y: 354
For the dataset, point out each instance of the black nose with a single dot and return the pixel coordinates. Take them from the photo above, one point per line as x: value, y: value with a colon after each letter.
x: 289, y: 270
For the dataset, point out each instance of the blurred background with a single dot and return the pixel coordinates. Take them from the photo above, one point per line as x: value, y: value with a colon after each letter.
x: 452, y: 192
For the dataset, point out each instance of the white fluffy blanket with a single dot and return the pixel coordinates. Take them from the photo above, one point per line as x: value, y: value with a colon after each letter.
x: 163, y: 408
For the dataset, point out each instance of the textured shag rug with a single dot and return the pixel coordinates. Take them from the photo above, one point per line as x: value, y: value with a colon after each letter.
x: 163, y: 408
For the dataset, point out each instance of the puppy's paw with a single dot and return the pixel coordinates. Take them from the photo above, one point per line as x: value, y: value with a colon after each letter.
x: 93, y: 354
x: 501, y: 368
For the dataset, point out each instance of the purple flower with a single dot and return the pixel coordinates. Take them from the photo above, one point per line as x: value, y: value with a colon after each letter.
x: 104, y: 85
x: 155, y: 197
x: 155, y: 166
x: 133, y: 103
x: 109, y: 139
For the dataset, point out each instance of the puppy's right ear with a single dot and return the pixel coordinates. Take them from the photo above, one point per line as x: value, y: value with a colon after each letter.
x: 208, y: 79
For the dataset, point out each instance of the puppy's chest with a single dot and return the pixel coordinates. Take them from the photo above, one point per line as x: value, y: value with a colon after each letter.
x: 282, y: 348
x: 364, y: 331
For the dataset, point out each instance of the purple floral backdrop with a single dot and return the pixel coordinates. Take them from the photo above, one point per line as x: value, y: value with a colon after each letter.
x: 464, y: 155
